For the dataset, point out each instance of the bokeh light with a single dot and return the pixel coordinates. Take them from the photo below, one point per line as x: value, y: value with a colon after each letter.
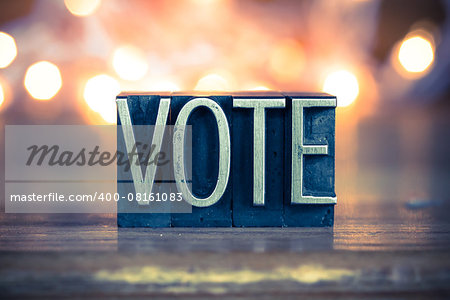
x: 129, y: 63
x: 416, y: 54
x: 164, y: 86
x: 82, y: 8
x: 206, y: 2
x: 260, y: 88
x: 43, y: 80
x: 100, y: 93
x: 212, y: 82
x: 5, y: 94
x: 343, y: 85
x: 2, y: 95
x: 8, y: 50
x: 287, y: 61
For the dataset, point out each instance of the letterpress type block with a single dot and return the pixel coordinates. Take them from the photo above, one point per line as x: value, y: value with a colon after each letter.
x: 210, y: 116
x: 134, y: 112
x: 257, y: 158
x: 309, y: 160
x: 257, y: 165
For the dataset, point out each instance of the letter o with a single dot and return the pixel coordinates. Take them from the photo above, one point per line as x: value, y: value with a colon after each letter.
x: 224, y: 152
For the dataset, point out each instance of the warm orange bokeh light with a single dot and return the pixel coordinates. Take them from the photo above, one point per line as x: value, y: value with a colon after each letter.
x: 43, y: 80
x: 416, y: 54
x: 212, y: 82
x: 82, y: 8
x: 8, y: 50
x: 260, y: 88
x: 100, y: 93
x: 130, y: 63
x: 5, y: 94
x: 343, y: 85
x: 164, y: 86
x: 206, y: 2
x: 2, y: 95
x: 287, y: 61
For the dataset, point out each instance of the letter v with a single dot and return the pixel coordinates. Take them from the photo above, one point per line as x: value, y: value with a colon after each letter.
x: 143, y: 185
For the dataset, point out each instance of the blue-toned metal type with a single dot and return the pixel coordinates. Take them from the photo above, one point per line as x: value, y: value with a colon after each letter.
x: 258, y: 159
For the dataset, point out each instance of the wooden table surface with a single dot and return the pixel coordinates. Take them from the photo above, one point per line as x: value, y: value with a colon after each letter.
x: 376, y: 250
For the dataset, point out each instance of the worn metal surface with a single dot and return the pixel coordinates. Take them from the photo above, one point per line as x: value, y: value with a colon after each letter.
x: 245, y: 213
x: 145, y: 112
x: 143, y: 183
x: 224, y: 161
x: 208, y: 136
x: 259, y: 107
x: 299, y: 150
x: 239, y: 179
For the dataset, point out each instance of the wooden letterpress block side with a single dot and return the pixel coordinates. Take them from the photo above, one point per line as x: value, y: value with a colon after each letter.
x: 143, y: 110
x: 245, y: 212
x: 205, y: 161
x: 318, y: 169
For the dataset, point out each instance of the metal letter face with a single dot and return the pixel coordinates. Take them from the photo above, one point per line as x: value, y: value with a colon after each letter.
x: 143, y: 185
x: 259, y: 140
x: 258, y: 158
x: 224, y: 152
x: 299, y: 150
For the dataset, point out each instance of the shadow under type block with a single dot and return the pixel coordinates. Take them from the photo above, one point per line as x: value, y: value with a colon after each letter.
x: 243, y: 159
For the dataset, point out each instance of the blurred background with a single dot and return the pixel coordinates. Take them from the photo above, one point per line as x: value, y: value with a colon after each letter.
x: 63, y: 62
